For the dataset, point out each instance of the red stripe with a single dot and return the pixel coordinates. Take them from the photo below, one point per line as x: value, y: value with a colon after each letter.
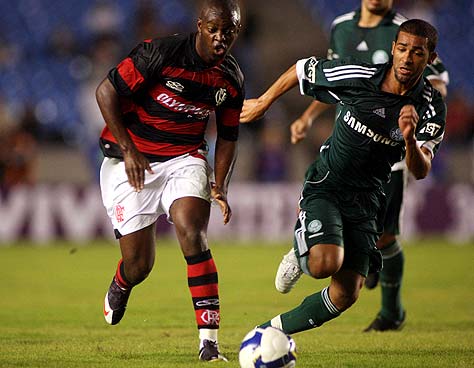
x: 204, y: 290
x: 130, y: 74
x: 213, y: 77
x: 193, y: 127
x: 155, y: 148
x: 205, y: 317
x: 118, y: 277
x: 202, y: 268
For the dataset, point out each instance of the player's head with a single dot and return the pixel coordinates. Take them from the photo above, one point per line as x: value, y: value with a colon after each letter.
x: 218, y: 26
x: 413, y: 49
x: 379, y: 7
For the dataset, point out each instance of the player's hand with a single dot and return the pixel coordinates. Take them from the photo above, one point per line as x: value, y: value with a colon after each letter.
x: 252, y: 110
x: 135, y: 166
x: 298, y: 130
x: 407, y: 121
x: 219, y: 196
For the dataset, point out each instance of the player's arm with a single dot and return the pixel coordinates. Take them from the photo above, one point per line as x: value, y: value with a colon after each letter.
x: 135, y: 163
x: 254, y: 109
x: 301, y: 125
x: 224, y: 160
x: 418, y: 159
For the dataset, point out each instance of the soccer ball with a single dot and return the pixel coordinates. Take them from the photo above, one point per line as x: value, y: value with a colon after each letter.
x: 267, y: 347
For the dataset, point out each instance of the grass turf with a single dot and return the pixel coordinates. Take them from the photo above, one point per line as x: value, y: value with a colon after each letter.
x: 51, y: 310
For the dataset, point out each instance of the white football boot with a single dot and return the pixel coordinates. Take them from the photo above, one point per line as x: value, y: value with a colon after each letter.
x: 288, y: 272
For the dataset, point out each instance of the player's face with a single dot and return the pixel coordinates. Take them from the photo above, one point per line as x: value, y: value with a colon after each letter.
x: 377, y: 6
x: 410, y: 57
x: 217, y: 31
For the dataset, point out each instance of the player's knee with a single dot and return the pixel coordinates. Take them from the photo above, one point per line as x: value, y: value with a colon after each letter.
x: 325, y: 266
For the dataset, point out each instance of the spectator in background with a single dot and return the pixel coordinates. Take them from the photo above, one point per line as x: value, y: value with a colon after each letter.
x: 271, y: 156
x: 18, y: 149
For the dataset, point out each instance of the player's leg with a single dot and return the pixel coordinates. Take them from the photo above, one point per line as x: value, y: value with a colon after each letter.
x: 138, y: 255
x: 318, y: 222
x: 187, y: 196
x: 190, y: 216
x: 322, y: 306
x: 133, y: 216
x: 392, y: 313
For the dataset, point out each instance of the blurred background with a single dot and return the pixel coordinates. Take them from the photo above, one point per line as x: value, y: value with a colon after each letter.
x: 54, y: 53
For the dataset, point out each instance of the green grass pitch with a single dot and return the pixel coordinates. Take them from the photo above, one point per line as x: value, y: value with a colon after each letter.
x: 51, y: 309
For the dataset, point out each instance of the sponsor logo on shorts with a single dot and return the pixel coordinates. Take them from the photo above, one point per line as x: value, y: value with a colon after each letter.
x: 119, y: 210
x: 314, y: 226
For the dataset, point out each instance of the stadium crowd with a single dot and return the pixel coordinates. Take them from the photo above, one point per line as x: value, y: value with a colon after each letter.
x: 49, y: 70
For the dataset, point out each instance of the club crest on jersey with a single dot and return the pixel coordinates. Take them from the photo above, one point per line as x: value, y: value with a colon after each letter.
x: 396, y: 134
x: 314, y: 226
x: 176, y: 86
x: 221, y: 95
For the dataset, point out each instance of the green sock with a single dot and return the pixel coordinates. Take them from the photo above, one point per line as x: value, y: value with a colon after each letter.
x: 312, y: 312
x: 391, y: 281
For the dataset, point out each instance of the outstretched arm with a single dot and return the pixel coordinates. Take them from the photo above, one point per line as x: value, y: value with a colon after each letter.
x: 254, y: 109
x: 418, y: 159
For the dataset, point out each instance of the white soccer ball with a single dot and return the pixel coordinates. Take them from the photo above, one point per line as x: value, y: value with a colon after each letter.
x: 267, y: 347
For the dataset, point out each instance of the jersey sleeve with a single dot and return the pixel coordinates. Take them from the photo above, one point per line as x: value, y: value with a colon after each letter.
x: 333, y: 81
x: 134, y: 71
x: 228, y: 111
x: 430, y: 130
x: 437, y: 71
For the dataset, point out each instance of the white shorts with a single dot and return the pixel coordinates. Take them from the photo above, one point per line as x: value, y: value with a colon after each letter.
x: 129, y: 211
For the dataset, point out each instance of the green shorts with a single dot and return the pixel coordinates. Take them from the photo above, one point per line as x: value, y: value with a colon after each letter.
x: 394, y: 192
x: 331, y: 214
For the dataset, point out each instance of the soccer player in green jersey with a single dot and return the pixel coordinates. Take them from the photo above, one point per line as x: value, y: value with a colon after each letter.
x: 367, y: 34
x: 387, y: 112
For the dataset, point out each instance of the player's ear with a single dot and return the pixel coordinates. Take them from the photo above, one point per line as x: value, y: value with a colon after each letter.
x: 393, y: 47
x: 432, y: 57
x: 199, y: 25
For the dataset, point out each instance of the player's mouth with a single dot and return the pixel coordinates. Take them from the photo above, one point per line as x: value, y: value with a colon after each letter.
x: 405, y: 71
x: 220, y: 49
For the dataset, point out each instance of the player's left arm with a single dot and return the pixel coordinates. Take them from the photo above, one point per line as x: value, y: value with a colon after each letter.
x: 422, y: 136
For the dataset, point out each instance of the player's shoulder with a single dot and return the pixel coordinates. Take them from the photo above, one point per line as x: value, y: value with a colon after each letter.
x: 344, y: 19
x: 396, y: 18
x: 232, y: 70
x: 173, y: 42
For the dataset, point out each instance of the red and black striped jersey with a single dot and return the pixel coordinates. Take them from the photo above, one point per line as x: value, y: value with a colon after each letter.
x: 167, y: 95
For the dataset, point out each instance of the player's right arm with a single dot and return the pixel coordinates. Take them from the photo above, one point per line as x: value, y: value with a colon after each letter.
x: 254, y: 109
x: 135, y: 163
x: 301, y: 125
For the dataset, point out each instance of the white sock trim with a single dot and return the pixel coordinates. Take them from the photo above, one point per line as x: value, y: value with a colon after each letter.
x: 207, y: 334
x: 276, y: 322
x: 327, y: 301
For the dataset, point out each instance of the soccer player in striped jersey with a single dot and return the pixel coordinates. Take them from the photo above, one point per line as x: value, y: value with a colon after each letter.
x: 367, y: 34
x: 387, y: 112
x: 156, y: 105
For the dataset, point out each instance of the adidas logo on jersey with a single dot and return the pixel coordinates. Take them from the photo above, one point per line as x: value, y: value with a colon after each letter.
x: 362, y: 46
x: 380, y: 112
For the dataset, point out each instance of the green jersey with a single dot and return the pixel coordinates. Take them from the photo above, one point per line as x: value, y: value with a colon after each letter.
x: 372, y: 45
x: 366, y: 140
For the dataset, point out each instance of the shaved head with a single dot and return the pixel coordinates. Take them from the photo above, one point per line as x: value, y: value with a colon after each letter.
x: 227, y: 8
